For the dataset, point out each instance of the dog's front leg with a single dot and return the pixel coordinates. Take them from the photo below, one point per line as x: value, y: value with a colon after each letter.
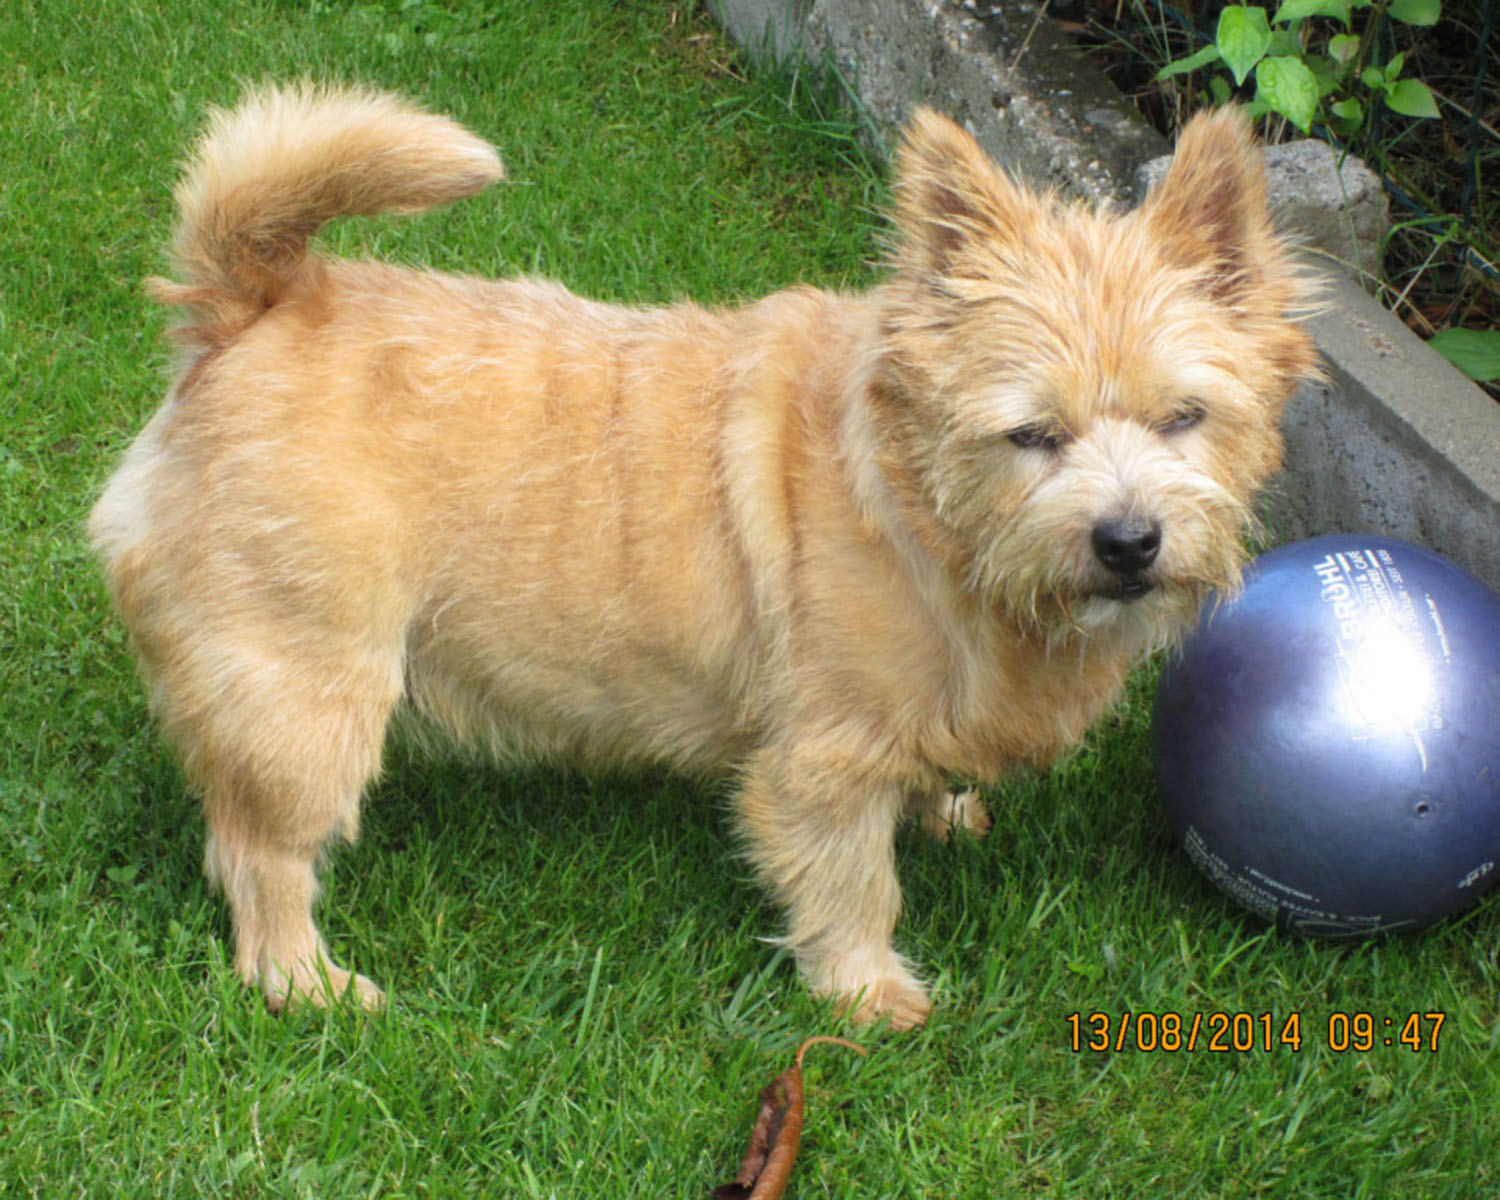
x: 821, y: 831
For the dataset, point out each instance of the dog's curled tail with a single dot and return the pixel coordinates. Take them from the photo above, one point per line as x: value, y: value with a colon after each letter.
x: 268, y: 173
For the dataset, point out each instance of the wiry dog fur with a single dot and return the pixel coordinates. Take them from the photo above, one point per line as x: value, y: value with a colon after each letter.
x: 843, y: 547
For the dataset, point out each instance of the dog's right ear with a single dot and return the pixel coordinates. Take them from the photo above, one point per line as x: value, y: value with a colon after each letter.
x: 951, y: 200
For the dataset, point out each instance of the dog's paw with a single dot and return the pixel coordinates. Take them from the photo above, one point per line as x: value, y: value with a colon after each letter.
x: 955, y: 810
x: 874, y: 986
x: 900, y: 1001
x: 319, y: 983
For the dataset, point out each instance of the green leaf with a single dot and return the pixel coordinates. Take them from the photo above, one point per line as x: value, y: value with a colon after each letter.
x: 1410, y: 98
x: 1347, y: 115
x: 1393, y: 68
x: 1416, y: 12
x: 1297, y: 10
x: 1373, y: 78
x: 1243, y: 37
x: 1285, y: 41
x: 1289, y: 87
x: 1219, y: 86
x: 1343, y: 48
x: 1475, y: 352
x: 1326, y: 73
x: 1209, y: 54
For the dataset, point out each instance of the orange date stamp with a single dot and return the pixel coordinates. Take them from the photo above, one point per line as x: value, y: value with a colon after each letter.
x: 1243, y: 1032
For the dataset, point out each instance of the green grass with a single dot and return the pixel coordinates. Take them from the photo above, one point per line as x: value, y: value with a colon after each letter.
x: 581, y: 1004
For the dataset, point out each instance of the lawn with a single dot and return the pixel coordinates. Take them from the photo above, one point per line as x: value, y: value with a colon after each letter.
x: 583, y: 1004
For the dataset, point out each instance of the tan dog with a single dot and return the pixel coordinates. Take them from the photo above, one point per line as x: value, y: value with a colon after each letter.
x: 844, y: 547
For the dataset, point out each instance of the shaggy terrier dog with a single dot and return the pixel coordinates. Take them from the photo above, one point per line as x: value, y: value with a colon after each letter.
x: 842, y: 548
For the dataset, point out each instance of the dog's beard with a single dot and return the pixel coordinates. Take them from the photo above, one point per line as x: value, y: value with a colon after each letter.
x: 1139, y: 626
x: 1055, y: 587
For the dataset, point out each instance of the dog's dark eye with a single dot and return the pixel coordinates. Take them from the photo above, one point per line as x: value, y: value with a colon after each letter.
x: 1036, y: 437
x: 1186, y: 417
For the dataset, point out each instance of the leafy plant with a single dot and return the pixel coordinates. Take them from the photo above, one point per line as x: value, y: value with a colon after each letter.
x: 1307, y: 72
x: 1332, y: 63
x: 1475, y: 352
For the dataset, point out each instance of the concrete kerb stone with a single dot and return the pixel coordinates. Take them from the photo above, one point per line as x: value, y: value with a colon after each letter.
x: 1397, y: 442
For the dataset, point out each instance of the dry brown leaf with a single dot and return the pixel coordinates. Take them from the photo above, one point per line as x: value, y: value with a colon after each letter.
x: 767, y: 1165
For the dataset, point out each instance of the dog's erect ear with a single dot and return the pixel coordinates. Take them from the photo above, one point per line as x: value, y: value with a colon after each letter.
x: 949, y: 197
x: 1210, y: 210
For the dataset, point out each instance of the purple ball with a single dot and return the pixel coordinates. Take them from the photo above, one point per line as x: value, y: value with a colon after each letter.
x: 1327, y: 744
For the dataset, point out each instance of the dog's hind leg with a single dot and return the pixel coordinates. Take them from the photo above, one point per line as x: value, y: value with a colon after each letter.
x: 270, y: 623
x: 282, y: 754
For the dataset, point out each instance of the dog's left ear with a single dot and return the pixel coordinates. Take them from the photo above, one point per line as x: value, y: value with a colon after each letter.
x: 1210, y: 210
x: 950, y: 198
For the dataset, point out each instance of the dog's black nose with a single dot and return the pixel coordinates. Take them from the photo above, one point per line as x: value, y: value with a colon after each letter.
x: 1127, y: 547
